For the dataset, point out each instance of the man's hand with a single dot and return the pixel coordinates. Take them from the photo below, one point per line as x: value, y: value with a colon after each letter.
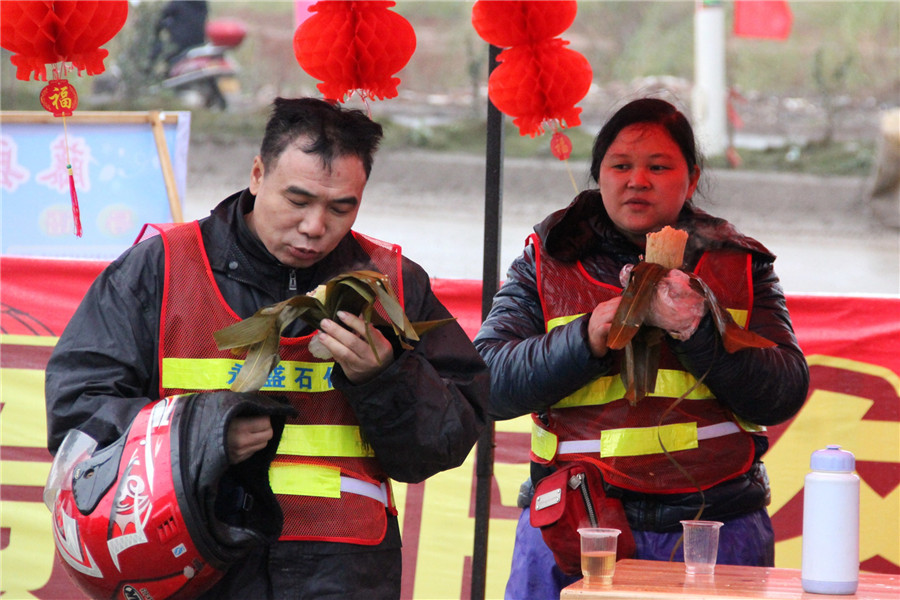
x: 676, y: 307
x: 599, y: 324
x: 246, y: 436
x: 351, y: 349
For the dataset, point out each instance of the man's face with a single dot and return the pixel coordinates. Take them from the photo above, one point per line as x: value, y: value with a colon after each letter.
x: 303, y: 209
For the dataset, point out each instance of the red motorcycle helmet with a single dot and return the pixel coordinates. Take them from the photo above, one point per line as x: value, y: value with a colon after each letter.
x: 147, y: 516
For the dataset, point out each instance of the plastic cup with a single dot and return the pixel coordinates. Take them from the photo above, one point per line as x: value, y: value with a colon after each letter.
x: 598, y: 555
x: 701, y: 546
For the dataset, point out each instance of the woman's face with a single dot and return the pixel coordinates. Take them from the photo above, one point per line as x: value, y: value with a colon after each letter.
x: 644, y: 180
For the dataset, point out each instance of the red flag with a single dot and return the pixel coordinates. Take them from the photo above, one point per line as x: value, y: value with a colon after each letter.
x: 770, y: 19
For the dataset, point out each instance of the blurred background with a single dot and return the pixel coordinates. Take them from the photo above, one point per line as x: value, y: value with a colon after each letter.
x: 809, y: 103
x: 809, y: 124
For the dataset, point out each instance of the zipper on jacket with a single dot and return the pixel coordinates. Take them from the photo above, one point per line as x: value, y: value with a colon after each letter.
x: 578, y: 482
x: 292, y: 281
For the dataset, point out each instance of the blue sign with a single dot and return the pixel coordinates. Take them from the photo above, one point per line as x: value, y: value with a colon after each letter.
x: 118, y: 177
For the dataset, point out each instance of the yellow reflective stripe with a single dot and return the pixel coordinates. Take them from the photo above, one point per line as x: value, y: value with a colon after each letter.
x: 739, y: 316
x: 561, y: 321
x: 305, y: 480
x: 219, y: 374
x: 670, y: 383
x: 599, y: 391
x: 637, y: 441
x: 323, y: 440
x: 543, y: 442
x: 28, y: 340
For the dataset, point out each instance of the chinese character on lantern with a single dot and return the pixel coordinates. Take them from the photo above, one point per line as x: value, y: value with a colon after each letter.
x: 59, y: 97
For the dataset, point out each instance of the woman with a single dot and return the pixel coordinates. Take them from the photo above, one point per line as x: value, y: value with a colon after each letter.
x: 546, y: 340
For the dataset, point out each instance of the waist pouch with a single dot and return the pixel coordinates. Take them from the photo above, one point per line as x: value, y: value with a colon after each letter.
x: 574, y: 497
x: 742, y: 495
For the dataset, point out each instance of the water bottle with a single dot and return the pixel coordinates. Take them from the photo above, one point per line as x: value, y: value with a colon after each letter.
x: 830, y: 555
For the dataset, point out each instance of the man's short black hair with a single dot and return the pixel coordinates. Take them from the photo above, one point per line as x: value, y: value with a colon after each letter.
x: 322, y: 128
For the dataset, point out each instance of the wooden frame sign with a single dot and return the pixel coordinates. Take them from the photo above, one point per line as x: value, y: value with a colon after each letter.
x: 129, y: 168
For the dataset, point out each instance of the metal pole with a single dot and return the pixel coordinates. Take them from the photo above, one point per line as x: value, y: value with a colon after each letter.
x: 710, y: 94
x: 490, y: 278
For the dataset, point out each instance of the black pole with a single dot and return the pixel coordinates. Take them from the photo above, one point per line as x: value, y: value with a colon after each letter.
x: 490, y: 283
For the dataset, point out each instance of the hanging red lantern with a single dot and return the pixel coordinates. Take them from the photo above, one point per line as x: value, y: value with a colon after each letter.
x: 537, y: 83
x: 539, y: 80
x: 509, y: 23
x: 354, y: 47
x: 64, y: 34
x: 45, y: 32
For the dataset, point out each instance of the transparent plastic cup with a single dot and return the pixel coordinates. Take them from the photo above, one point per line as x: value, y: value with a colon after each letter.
x: 701, y: 546
x: 598, y: 555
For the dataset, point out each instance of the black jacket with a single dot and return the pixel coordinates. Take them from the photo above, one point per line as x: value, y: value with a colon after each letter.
x: 532, y: 369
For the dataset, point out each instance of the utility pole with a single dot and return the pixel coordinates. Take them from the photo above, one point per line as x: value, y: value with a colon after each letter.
x: 710, y: 92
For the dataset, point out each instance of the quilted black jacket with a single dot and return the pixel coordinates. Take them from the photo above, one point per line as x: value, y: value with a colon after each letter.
x: 532, y: 369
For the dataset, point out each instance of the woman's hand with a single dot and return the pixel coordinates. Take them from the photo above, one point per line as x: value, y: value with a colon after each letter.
x: 676, y: 307
x: 599, y: 325
x: 350, y: 347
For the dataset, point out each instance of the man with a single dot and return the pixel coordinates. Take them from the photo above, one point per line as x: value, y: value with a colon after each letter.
x: 181, y: 26
x: 416, y: 412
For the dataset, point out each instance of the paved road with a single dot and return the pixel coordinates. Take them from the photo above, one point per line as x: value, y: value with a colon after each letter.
x: 820, y: 228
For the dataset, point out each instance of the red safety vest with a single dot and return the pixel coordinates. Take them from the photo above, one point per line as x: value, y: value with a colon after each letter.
x: 326, y: 478
x: 598, y: 424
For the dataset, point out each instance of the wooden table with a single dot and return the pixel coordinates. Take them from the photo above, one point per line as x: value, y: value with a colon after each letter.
x: 658, y: 580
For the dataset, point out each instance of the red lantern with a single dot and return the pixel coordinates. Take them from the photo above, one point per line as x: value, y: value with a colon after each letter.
x: 538, y: 80
x: 537, y: 83
x: 561, y: 146
x: 62, y: 31
x: 508, y: 23
x: 59, y: 97
x: 354, y: 46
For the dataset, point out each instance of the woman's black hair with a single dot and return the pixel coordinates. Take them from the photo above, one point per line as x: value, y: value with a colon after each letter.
x: 646, y: 110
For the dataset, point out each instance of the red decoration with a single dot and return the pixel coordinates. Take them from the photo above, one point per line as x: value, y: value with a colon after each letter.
x: 228, y: 33
x: 56, y: 32
x: 768, y: 19
x: 59, y: 97
x: 561, y: 146
x: 46, y: 32
x: 538, y: 80
x: 354, y: 46
x: 509, y: 23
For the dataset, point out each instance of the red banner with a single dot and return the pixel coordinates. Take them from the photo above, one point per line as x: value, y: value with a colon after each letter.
x: 769, y: 19
x: 851, y: 343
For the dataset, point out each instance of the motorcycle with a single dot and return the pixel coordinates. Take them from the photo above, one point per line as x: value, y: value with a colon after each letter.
x: 203, y: 75
x: 208, y: 72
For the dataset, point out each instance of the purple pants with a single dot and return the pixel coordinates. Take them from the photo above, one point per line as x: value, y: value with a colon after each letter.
x: 745, y: 540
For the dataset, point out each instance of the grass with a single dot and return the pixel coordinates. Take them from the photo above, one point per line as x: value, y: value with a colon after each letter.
x: 467, y: 136
x: 835, y: 158
x: 845, y: 49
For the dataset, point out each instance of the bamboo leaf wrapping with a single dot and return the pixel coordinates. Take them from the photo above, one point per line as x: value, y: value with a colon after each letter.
x: 355, y: 292
x: 642, y: 342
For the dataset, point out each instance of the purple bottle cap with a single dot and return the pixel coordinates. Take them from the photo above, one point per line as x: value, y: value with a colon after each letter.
x: 832, y: 458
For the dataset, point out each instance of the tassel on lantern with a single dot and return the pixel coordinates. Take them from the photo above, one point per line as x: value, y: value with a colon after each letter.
x: 76, y: 212
x: 60, y: 98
